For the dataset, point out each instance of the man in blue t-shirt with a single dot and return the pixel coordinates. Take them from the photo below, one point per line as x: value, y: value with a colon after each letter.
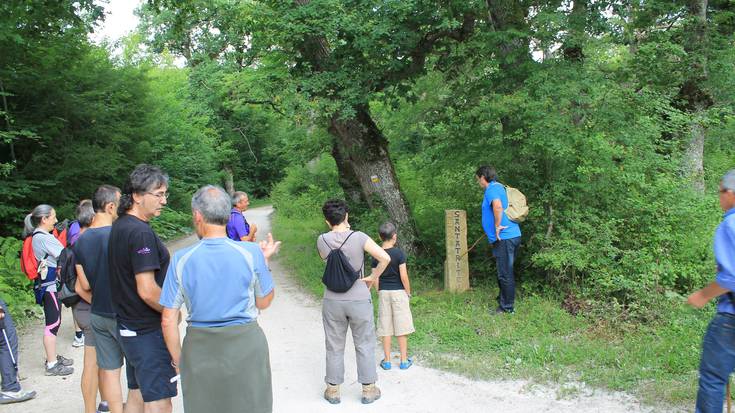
x: 225, y: 364
x: 503, y: 234
x: 718, y: 356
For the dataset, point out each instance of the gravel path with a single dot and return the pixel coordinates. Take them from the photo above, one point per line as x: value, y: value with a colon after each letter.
x: 295, y: 335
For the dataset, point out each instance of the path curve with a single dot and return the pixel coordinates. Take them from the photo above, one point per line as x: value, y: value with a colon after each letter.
x: 296, y: 339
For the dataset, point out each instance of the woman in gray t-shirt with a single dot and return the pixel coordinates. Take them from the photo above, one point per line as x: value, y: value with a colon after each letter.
x: 353, y: 308
x: 39, y: 224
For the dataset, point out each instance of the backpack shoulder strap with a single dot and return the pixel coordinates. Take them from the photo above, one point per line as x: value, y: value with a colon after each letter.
x: 325, y: 243
x: 345, y: 241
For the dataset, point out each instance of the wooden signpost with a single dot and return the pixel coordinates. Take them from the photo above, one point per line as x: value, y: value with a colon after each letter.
x: 456, y: 265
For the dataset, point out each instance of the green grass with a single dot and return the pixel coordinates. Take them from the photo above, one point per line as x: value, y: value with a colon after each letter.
x: 255, y: 203
x: 541, y: 342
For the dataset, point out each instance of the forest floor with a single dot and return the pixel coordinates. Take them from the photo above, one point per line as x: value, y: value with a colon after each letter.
x: 296, y: 339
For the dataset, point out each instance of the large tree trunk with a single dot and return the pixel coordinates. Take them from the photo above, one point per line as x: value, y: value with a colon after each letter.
x: 362, y: 157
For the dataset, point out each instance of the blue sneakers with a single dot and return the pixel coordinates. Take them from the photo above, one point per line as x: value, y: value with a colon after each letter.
x: 385, y: 365
x: 406, y: 364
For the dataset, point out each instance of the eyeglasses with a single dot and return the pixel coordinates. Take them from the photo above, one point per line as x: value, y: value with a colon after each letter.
x: 160, y: 195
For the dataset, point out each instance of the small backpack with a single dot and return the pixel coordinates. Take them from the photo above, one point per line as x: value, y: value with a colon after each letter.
x: 339, y: 276
x: 67, y: 275
x: 517, y: 210
x: 28, y: 261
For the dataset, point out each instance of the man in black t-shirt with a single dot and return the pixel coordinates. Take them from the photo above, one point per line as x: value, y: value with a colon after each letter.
x: 93, y: 285
x: 138, y: 262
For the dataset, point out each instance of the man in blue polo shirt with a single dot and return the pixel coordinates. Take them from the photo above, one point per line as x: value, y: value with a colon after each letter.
x: 238, y: 228
x: 718, y: 352
x: 224, y: 362
x: 502, y: 233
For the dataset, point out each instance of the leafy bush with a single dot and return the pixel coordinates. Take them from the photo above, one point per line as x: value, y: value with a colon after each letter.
x: 15, y: 289
x: 171, y: 224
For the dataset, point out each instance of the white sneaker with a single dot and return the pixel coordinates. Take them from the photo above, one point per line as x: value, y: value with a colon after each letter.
x: 7, y: 397
x: 78, y: 341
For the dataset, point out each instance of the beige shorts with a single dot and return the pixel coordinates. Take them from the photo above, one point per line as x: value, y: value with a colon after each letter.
x: 394, y: 313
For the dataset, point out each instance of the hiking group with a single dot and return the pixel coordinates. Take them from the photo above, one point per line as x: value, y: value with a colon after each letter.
x: 126, y: 292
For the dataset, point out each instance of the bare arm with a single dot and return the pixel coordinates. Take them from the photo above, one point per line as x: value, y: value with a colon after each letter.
x: 82, y: 286
x: 700, y: 298
x: 264, y: 302
x: 381, y: 256
x: 403, y: 270
x: 498, y: 214
x: 148, y: 290
x: 170, y: 325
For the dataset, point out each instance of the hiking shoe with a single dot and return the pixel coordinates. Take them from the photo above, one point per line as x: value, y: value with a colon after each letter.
x: 385, y: 365
x: 8, y: 397
x: 78, y: 341
x: 406, y: 364
x: 370, y: 393
x: 59, y: 370
x: 64, y: 361
x: 331, y: 394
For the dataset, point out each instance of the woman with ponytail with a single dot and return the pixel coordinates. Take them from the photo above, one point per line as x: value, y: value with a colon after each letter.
x: 39, y: 224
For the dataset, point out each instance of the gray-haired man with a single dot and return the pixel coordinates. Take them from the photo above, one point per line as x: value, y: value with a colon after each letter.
x: 238, y: 228
x: 225, y: 365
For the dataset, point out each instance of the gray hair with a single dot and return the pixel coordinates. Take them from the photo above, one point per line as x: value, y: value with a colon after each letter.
x: 85, y: 213
x: 213, y: 203
x: 33, y: 220
x: 387, y: 230
x: 237, y: 196
x: 728, y: 181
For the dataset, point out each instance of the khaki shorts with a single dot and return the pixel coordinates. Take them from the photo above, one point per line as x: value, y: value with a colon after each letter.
x: 394, y: 313
x: 82, y: 312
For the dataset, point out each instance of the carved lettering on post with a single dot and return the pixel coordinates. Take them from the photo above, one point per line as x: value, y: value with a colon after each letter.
x: 456, y: 266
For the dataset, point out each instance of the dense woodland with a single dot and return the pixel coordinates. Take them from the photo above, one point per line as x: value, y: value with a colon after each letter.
x: 615, y: 118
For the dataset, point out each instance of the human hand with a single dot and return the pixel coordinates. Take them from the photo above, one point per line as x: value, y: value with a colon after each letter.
x: 269, y: 247
x: 253, y: 228
x: 697, y: 299
x: 497, y: 231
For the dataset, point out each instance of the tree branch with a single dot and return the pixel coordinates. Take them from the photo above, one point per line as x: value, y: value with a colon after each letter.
x: 424, y: 47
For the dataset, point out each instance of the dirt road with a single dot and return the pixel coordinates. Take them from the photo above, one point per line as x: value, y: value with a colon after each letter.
x: 296, y: 339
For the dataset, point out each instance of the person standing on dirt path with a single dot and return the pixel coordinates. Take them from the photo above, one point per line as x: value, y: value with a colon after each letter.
x: 238, y: 228
x: 93, y: 282
x: 46, y: 248
x: 82, y: 312
x: 138, y: 262
x: 224, y: 361
x: 10, y: 392
x: 503, y: 234
x: 718, y: 352
x: 352, y: 308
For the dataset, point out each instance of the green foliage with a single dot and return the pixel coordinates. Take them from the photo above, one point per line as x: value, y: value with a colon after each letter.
x: 15, y: 288
x: 171, y: 224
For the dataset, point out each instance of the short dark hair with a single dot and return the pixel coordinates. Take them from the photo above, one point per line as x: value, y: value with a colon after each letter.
x: 487, y: 172
x: 103, y: 196
x: 144, y: 178
x: 335, y: 211
x: 387, y: 230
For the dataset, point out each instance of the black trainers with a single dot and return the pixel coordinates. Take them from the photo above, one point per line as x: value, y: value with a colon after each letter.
x: 59, y: 370
x: 64, y: 361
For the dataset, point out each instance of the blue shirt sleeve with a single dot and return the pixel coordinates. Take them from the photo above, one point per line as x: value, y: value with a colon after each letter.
x: 264, y: 280
x: 725, y: 254
x: 171, y: 293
